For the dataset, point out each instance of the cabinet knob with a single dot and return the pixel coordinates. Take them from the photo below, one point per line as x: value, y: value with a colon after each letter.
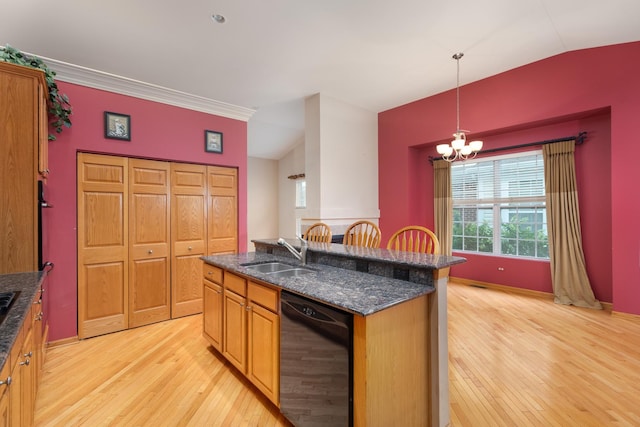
x: 7, y: 381
x: 30, y: 354
x: 150, y: 251
x: 190, y: 248
x: 210, y: 273
x: 26, y: 362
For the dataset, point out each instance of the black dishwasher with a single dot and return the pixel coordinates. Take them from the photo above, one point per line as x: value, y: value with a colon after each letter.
x: 316, y: 368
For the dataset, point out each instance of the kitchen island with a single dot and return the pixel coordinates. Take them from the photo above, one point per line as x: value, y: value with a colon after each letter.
x: 398, y: 303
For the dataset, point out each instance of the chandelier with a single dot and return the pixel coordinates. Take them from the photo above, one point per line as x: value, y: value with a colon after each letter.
x: 459, y: 149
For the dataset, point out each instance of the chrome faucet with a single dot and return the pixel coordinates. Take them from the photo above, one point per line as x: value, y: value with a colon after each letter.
x: 302, y: 255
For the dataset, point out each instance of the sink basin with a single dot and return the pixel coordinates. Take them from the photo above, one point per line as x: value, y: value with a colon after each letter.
x: 278, y: 269
x: 270, y: 267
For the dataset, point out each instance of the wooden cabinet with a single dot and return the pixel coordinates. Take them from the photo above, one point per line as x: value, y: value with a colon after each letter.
x: 149, y: 245
x: 188, y: 237
x: 142, y: 230
x: 23, y: 136
x: 212, y: 320
x: 250, y: 330
x: 263, y: 339
x: 234, y: 332
x: 5, y: 407
x: 22, y: 390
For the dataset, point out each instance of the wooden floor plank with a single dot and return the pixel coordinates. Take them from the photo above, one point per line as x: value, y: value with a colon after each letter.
x: 514, y: 360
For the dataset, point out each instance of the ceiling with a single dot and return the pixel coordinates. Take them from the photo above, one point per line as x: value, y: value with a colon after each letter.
x: 270, y: 55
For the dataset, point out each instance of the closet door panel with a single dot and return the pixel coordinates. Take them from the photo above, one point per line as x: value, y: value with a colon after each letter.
x: 222, y: 213
x: 102, y: 244
x: 149, y: 245
x: 188, y: 237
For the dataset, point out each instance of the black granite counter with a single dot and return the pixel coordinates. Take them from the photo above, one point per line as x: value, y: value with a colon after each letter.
x: 359, y: 280
x: 28, y: 284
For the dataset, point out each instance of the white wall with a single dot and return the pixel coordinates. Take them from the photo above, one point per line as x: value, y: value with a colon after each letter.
x: 341, y: 142
x: 262, y: 199
x: 291, y: 164
x: 339, y: 156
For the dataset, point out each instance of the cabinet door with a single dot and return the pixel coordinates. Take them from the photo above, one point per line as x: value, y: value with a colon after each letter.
x: 263, y: 365
x: 37, y: 358
x: 18, y: 167
x: 222, y: 211
x: 103, y: 232
x: 212, y: 314
x: 235, y: 330
x: 149, y: 247
x: 188, y: 237
x: 5, y: 408
x: 22, y: 397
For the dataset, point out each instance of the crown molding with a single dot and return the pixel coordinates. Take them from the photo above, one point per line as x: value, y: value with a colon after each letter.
x: 110, y: 82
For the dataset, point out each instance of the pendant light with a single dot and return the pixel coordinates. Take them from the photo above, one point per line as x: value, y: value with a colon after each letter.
x: 459, y: 149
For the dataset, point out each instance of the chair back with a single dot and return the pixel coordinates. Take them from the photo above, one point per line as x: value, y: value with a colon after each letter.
x: 414, y: 238
x: 318, y: 232
x: 362, y: 233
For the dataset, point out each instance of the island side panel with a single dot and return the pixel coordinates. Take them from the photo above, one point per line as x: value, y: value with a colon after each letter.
x: 439, y: 347
x: 391, y: 367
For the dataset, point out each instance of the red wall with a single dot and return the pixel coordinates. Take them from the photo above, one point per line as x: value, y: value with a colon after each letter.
x: 593, y: 90
x: 158, y: 131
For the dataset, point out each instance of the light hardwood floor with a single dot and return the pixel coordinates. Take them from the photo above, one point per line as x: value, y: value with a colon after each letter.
x: 514, y: 361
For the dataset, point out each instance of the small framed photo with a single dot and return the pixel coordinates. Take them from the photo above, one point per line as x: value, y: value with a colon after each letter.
x: 213, y: 141
x: 117, y: 126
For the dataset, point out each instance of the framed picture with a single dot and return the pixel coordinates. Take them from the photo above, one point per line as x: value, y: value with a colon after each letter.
x: 212, y: 141
x: 117, y: 126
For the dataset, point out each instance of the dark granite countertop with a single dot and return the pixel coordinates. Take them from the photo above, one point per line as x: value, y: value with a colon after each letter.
x: 28, y: 285
x: 356, y: 292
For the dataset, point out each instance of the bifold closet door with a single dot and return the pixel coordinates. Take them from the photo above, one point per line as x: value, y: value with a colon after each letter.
x: 149, y: 245
x: 188, y: 237
x: 103, y: 245
x: 222, y: 212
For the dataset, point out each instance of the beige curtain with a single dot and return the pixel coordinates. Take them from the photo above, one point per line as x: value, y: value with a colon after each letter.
x: 443, y: 205
x: 568, y: 270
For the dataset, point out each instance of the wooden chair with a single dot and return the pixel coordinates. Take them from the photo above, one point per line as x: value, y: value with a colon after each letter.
x: 318, y: 232
x: 362, y: 233
x: 414, y: 238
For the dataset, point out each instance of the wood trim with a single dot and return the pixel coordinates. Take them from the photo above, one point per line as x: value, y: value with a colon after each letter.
x: 607, y: 306
x: 63, y: 342
x: 622, y: 315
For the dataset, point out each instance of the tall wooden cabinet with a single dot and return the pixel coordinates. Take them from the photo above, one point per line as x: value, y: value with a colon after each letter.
x: 142, y: 228
x: 23, y: 143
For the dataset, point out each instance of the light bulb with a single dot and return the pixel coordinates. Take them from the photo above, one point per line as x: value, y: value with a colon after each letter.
x: 475, y: 145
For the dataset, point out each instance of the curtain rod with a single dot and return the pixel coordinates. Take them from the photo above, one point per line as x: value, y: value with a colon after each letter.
x: 579, y: 140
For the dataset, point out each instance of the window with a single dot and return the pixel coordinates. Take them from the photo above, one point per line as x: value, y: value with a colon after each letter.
x: 499, y: 206
x: 301, y: 193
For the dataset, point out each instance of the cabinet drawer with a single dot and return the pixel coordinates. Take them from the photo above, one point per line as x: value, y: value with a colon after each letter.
x: 263, y: 295
x: 212, y: 273
x: 235, y: 283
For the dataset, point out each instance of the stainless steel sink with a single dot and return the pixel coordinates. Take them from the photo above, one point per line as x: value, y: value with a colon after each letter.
x: 278, y: 269
x: 269, y: 267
